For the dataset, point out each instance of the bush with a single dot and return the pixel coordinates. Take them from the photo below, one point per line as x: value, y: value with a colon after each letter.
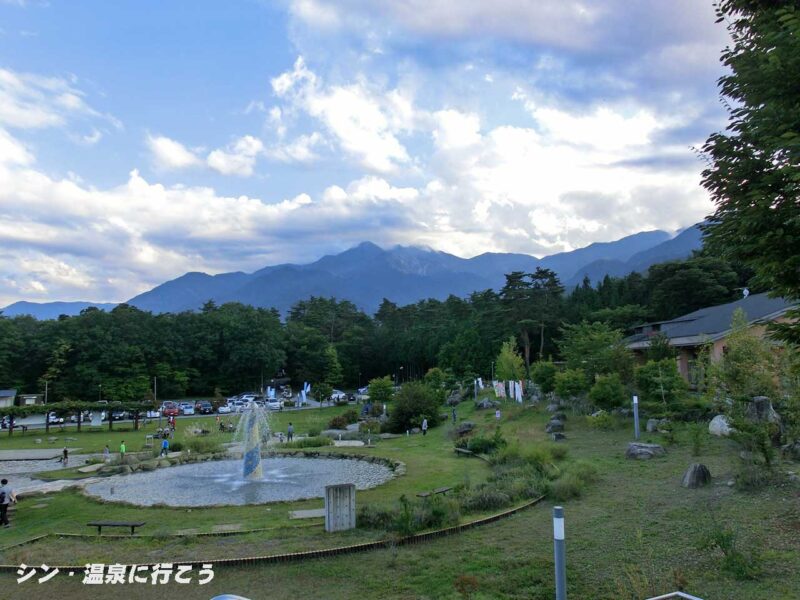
x: 602, y: 421
x: 309, y: 442
x: 373, y: 517
x: 734, y: 561
x: 351, y: 416
x: 570, y: 383
x: 544, y: 375
x: 338, y: 422
x: 483, y: 499
x: 175, y: 446
x: 566, y: 487
x: 558, y: 451
x: 414, y: 402
x: 482, y: 444
x: 607, y: 392
x: 583, y: 470
x: 372, y: 426
x: 288, y: 403
x: 380, y: 391
x: 659, y: 381
x: 314, y: 431
x: 203, y: 445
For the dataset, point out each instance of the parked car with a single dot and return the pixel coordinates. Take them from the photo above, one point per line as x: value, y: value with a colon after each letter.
x: 224, y: 409
x: 170, y: 409
x: 204, y: 407
x: 54, y: 419
x: 119, y: 415
x: 338, y: 396
x: 186, y: 408
x: 274, y: 404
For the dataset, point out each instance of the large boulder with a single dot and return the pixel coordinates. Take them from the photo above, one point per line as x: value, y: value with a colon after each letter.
x: 455, y: 398
x: 642, y: 451
x: 720, y: 426
x: 486, y: 404
x: 558, y: 436
x: 792, y: 450
x: 553, y: 408
x: 464, y: 428
x: 652, y: 425
x: 560, y: 416
x: 697, y: 475
x: 554, y: 425
x: 149, y: 465
x: 760, y: 409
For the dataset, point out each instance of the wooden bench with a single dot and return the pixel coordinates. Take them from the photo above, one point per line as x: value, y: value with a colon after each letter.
x: 441, y: 490
x: 101, y: 524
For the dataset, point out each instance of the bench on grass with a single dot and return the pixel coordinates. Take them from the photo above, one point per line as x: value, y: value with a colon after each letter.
x: 442, y: 490
x: 100, y: 524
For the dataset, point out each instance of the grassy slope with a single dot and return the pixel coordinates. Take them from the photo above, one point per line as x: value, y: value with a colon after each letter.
x: 636, y: 523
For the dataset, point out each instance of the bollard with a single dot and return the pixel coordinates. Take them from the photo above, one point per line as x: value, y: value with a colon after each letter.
x: 560, y: 553
x: 636, y: 417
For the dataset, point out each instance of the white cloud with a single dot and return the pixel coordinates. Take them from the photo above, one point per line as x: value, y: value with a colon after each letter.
x: 299, y: 150
x: 238, y: 158
x: 364, y: 122
x: 12, y: 151
x: 168, y: 154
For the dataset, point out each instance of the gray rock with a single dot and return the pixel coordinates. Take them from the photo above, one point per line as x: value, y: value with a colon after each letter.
x: 464, y: 428
x: 597, y: 413
x: 553, y: 408
x: 793, y: 477
x: 791, y: 450
x: 642, y: 451
x: 416, y: 430
x: 760, y: 409
x: 455, y: 398
x: 486, y: 404
x: 554, y: 426
x: 663, y: 425
x: 560, y: 416
x: 37, y: 441
x: 652, y: 425
x: 150, y: 465
x: 165, y: 463
x: 720, y: 426
x: 697, y: 475
x: 558, y: 436
x: 352, y: 427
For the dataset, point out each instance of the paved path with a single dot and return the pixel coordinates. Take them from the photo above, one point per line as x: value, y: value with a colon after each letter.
x: 34, y: 453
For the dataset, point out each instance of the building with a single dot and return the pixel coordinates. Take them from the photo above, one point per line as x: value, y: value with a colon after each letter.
x: 30, y: 399
x: 708, y: 326
x: 7, y: 398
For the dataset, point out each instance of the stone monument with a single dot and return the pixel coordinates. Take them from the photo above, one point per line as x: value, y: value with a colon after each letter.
x: 340, y: 507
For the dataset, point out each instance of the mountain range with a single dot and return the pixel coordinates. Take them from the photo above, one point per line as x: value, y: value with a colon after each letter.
x: 366, y: 274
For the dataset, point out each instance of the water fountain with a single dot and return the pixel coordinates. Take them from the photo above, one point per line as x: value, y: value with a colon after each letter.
x: 253, y: 479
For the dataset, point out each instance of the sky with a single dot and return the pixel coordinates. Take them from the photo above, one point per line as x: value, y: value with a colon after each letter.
x: 142, y: 139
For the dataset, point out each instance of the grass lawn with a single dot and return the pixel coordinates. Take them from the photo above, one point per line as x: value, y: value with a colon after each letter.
x: 632, y: 534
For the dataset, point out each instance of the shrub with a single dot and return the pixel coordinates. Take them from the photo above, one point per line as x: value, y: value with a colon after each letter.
x: 351, y: 416
x: 288, y: 403
x: 571, y: 383
x: 482, y: 444
x: 558, y: 451
x: 373, y: 517
x: 372, y: 426
x: 414, y: 402
x: 544, y: 375
x: 309, y: 442
x: 566, y: 487
x: 583, y: 470
x: 175, y: 446
x: 380, y: 390
x: 659, y: 381
x: 314, y: 431
x: 483, y: 499
x: 338, y: 422
x: 607, y: 392
x: 602, y: 421
x: 734, y: 561
x: 203, y: 445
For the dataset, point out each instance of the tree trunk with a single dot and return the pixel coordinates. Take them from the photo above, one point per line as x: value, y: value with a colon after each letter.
x: 136, y: 420
x: 11, y: 425
x: 526, y: 348
x: 80, y: 418
x: 541, y: 342
x: 47, y: 422
x: 110, y: 421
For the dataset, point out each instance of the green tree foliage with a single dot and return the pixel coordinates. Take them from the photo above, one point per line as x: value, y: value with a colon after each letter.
x: 753, y: 175
x: 509, y: 363
x: 659, y: 381
x: 659, y: 348
x: 607, y: 392
x: 595, y: 348
x: 571, y: 383
x: 322, y: 392
x: 333, y: 369
x: 543, y: 374
x: 680, y: 287
x: 415, y: 401
x: 380, y: 390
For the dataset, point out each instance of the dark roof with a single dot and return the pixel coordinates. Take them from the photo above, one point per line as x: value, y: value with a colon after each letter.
x: 714, y: 321
x: 7, y: 393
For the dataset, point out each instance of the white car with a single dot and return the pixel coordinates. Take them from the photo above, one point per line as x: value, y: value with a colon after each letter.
x: 274, y: 404
x: 224, y: 409
x: 54, y: 419
x: 187, y: 408
x: 338, y: 396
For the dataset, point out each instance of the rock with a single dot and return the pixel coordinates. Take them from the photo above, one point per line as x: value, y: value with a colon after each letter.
x: 455, y: 398
x: 130, y: 460
x: 125, y: 469
x: 558, y: 436
x: 164, y: 463
x: 37, y: 441
x: 622, y: 412
x: 486, y: 404
x: 416, y: 430
x: 149, y: 465
x: 652, y: 425
x: 464, y: 428
x: 560, y: 416
x: 352, y: 427
x: 663, y: 426
x: 697, y: 475
x: 760, y: 409
x: 597, y: 413
x: 70, y: 439
x: 553, y: 408
x: 793, y: 477
x: 554, y: 426
x: 791, y: 450
x: 642, y: 451
x: 720, y: 426
x: 91, y: 468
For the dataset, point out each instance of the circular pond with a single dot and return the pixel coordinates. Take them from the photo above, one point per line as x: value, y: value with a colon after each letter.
x: 220, y: 482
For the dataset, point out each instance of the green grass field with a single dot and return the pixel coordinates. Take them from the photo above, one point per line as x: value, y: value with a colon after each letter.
x: 634, y: 533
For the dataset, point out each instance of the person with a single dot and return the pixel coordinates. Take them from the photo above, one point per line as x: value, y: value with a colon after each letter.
x: 64, y: 456
x: 164, y: 447
x: 290, y: 432
x: 221, y: 425
x: 106, y: 454
x: 424, y: 426
x: 7, y: 496
x: 497, y: 414
x: 122, y: 450
x: 454, y: 415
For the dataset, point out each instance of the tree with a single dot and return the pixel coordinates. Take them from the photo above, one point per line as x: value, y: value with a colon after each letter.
x: 659, y: 381
x: 509, y: 365
x: 323, y: 392
x: 682, y: 286
x: 333, y: 370
x: 754, y: 165
x: 544, y: 375
x: 571, y: 383
x: 380, y: 390
x: 659, y: 347
x: 596, y: 349
x: 607, y: 392
x: 414, y: 402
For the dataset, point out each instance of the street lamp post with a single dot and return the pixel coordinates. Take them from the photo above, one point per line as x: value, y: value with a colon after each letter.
x: 99, y: 392
x: 401, y: 374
